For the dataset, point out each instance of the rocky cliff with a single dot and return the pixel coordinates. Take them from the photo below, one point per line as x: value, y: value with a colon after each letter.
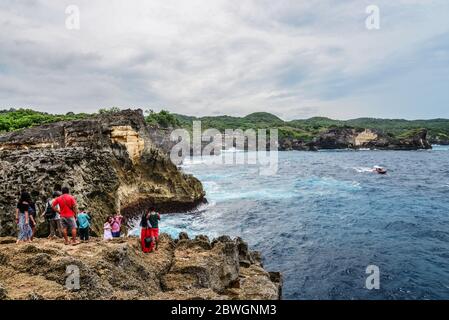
x: 110, y: 163
x: 180, y: 269
x: 441, y: 140
x: 351, y: 138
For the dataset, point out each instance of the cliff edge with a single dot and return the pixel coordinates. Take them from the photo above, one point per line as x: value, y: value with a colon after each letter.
x: 181, y: 269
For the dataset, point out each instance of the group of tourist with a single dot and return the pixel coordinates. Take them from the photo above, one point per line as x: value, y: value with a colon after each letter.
x: 112, y: 227
x: 64, y: 220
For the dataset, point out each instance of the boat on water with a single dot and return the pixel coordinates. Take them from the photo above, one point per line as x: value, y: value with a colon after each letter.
x: 379, y: 170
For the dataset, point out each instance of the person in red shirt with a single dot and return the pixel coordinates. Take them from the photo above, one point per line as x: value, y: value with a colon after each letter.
x: 67, y: 207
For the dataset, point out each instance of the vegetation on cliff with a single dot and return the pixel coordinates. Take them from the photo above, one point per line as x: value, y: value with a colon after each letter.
x: 163, y: 118
x: 303, y: 129
x: 307, y: 129
x: 13, y: 119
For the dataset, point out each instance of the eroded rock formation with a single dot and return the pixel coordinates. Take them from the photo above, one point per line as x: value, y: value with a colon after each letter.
x: 110, y: 162
x: 351, y: 138
x: 180, y: 269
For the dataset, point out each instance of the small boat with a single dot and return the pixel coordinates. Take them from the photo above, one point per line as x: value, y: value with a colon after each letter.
x: 379, y: 170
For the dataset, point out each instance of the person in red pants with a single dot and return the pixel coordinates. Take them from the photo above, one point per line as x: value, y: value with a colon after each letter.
x: 154, y: 218
x: 146, y: 233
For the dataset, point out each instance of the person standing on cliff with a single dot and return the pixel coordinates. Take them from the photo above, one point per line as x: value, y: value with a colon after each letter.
x: 84, y: 224
x: 52, y: 217
x: 116, y: 224
x: 23, y: 217
x: 154, y: 218
x: 67, y: 207
x: 33, y: 218
x: 146, y: 239
x: 107, y: 227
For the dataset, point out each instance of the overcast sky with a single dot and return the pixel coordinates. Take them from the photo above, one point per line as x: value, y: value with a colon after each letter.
x: 296, y: 59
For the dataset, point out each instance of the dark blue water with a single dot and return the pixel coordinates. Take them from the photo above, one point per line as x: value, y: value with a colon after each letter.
x: 324, y: 218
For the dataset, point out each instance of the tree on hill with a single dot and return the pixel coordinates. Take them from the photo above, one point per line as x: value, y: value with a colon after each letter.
x: 163, y: 118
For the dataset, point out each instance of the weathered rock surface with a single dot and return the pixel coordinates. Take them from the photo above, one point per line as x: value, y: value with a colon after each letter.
x: 161, y: 138
x: 444, y: 141
x: 180, y: 269
x: 351, y: 138
x: 109, y: 162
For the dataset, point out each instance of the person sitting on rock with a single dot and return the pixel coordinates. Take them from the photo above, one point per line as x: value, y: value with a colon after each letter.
x: 23, y: 217
x: 108, y: 228
x: 67, y: 207
x: 52, y: 217
x: 146, y: 238
x: 83, y: 219
x: 116, y: 224
x: 154, y: 218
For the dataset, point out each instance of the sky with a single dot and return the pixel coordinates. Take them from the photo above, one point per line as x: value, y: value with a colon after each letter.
x: 296, y: 59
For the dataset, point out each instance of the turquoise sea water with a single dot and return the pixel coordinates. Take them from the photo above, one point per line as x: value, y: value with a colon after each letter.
x: 325, y: 217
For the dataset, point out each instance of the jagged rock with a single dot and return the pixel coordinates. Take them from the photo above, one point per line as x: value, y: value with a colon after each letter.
x: 118, y: 269
x: 34, y: 296
x: 439, y: 139
x: 289, y: 144
x: 276, y: 278
x: 183, y: 236
x: 3, y: 259
x: 245, y: 263
x: 3, y: 292
x: 7, y: 240
x: 257, y: 284
x: 109, y: 162
x: 352, y: 138
x: 204, y: 266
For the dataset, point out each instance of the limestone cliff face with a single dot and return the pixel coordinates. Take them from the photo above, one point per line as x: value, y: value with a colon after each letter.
x: 109, y: 162
x: 365, y: 137
x: 130, y: 139
x: 180, y: 269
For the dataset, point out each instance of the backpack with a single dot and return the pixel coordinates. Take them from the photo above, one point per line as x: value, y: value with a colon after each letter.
x: 49, y: 212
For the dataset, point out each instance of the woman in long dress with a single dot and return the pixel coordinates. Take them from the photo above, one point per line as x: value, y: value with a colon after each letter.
x: 108, y: 229
x: 23, y: 218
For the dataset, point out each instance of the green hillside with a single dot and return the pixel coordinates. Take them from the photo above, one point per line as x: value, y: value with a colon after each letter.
x: 304, y: 129
x: 13, y: 119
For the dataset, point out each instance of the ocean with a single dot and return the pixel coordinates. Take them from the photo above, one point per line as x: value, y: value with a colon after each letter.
x: 325, y: 217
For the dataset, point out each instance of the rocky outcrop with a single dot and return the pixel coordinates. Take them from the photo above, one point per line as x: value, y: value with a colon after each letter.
x: 289, y: 144
x: 439, y: 140
x: 109, y: 162
x: 180, y: 269
x: 161, y: 138
x: 351, y: 138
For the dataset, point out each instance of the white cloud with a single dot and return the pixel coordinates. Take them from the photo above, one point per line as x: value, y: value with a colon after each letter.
x: 293, y: 58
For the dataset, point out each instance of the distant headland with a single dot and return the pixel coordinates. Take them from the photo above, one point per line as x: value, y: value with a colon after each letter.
x: 303, y: 134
